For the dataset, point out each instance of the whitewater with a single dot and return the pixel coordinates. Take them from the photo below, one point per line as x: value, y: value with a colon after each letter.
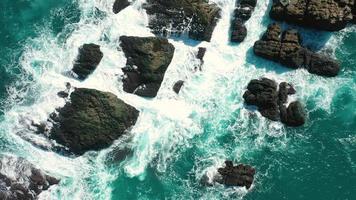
x: 178, y: 139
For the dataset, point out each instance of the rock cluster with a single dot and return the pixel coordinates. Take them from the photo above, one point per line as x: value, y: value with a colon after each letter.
x: 330, y: 15
x: 286, y: 49
x: 88, y: 59
x: 242, y: 13
x: 239, y: 175
x: 147, y: 61
x: 271, y: 99
x: 21, y: 180
x: 197, y: 17
x: 119, y: 5
x: 91, y: 120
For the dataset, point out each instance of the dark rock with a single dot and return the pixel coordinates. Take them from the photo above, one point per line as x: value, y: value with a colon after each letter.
x: 294, y: 115
x: 147, y: 61
x: 88, y: 59
x: 239, y: 175
x: 288, y: 51
x: 269, y: 100
x: 92, y: 120
x: 198, y: 17
x: 29, y: 181
x: 120, y: 5
x: 330, y: 15
x: 242, y: 13
x: 177, y: 86
x: 63, y: 94
x: 201, y: 53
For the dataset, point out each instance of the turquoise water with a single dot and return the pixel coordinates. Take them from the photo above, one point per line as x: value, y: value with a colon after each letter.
x: 171, y: 148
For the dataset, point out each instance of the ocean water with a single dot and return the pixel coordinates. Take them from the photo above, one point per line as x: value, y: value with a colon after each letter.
x: 177, y: 139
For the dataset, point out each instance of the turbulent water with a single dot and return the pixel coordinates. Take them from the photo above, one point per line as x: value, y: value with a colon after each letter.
x: 177, y: 139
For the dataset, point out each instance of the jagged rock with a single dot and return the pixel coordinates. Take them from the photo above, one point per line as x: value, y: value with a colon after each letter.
x: 239, y: 175
x: 242, y: 13
x: 177, y: 86
x: 201, y: 53
x: 330, y: 15
x: 197, y: 17
x: 19, y: 179
x: 120, y: 5
x: 92, y: 120
x: 147, y: 61
x: 88, y: 59
x: 271, y: 101
x: 288, y: 51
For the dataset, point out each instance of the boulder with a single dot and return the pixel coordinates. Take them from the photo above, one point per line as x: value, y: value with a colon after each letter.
x: 240, y: 175
x: 329, y: 15
x: 120, y: 5
x: 242, y: 13
x: 271, y: 101
x: 201, y: 53
x: 147, y: 61
x: 19, y: 179
x: 177, y: 86
x: 286, y: 48
x: 197, y: 17
x: 88, y: 59
x: 91, y: 120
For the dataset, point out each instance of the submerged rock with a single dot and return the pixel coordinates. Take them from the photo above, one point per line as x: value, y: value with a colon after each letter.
x: 19, y: 179
x: 330, y: 15
x: 197, y: 17
x: 286, y: 49
x: 177, y: 86
x: 88, y: 59
x: 147, y: 61
x: 271, y: 101
x: 242, y: 13
x: 120, y: 5
x: 239, y: 175
x: 92, y: 120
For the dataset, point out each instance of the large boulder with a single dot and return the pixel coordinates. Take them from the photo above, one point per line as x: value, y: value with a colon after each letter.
x: 88, y: 59
x: 242, y: 13
x: 19, y: 179
x: 147, y: 61
x: 120, y: 5
x: 91, y: 120
x: 197, y: 17
x: 239, y: 175
x: 286, y: 48
x: 270, y: 101
x: 330, y: 15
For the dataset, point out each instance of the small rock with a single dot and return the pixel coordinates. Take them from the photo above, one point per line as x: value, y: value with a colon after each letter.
x: 177, y: 86
x: 120, y: 5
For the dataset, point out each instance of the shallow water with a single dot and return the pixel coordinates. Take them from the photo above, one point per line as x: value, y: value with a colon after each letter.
x: 177, y: 139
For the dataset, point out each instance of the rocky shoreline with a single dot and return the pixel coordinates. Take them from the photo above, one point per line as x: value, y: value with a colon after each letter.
x: 242, y: 13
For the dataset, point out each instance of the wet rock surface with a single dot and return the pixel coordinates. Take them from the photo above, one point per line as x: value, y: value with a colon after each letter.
x: 91, y: 120
x: 240, y: 175
x: 19, y: 179
x: 197, y: 17
x: 242, y: 13
x: 330, y: 15
x: 286, y: 48
x: 147, y: 61
x: 88, y: 59
x: 270, y: 100
x: 177, y: 86
x: 119, y: 5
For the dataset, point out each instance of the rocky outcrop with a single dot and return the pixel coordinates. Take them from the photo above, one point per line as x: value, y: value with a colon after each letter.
x: 120, y: 5
x: 239, y: 175
x: 270, y: 100
x: 91, y: 120
x: 286, y: 48
x: 147, y: 61
x: 177, y: 86
x: 173, y: 17
x: 19, y: 179
x: 88, y: 59
x: 242, y: 13
x: 330, y: 15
